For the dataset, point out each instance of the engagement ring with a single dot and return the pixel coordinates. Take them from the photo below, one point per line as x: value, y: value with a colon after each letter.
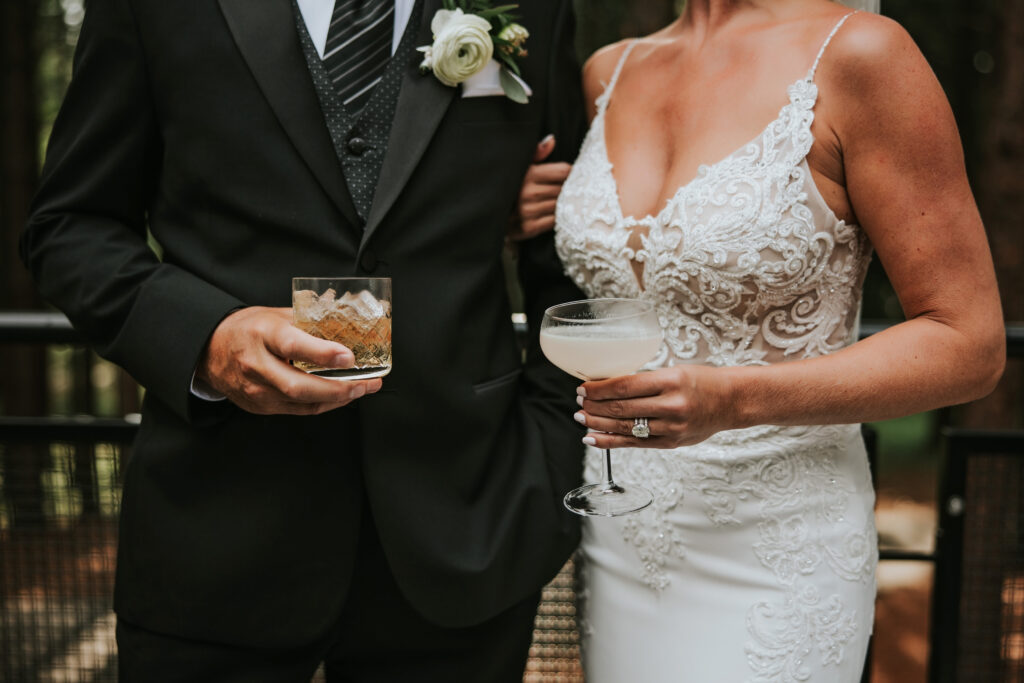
x: 641, y: 430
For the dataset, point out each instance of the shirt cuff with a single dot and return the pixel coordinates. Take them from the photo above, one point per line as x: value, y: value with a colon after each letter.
x: 201, y: 389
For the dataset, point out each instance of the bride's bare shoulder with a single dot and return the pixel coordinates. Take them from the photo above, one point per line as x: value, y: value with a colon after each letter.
x: 868, y: 52
x: 881, y: 94
x: 598, y: 70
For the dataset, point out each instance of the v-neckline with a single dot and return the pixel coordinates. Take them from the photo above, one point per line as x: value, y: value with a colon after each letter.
x: 702, y: 169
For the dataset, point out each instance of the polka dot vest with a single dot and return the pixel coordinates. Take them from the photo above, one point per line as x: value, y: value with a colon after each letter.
x: 361, y: 143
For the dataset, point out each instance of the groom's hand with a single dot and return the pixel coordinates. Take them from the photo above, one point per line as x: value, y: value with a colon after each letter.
x: 247, y: 357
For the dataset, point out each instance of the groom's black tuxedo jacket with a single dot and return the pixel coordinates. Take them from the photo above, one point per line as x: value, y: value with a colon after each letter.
x: 198, y: 119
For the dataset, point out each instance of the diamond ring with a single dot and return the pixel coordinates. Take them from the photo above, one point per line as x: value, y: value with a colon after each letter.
x: 641, y: 429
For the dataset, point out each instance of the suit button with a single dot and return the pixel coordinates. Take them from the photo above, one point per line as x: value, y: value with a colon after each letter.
x: 357, y: 146
x: 368, y: 261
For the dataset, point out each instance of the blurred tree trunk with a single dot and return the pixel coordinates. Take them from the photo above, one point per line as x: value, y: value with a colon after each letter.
x: 605, y: 21
x: 18, y: 139
x: 999, y: 186
x: 23, y: 368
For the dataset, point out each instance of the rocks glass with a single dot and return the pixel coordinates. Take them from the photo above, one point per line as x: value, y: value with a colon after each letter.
x: 353, y: 311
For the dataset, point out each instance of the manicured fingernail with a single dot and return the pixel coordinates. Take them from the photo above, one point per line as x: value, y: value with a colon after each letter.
x: 580, y: 417
x: 550, y: 137
x: 358, y: 391
x: 581, y: 391
x: 579, y: 401
x: 342, y: 359
x: 590, y: 441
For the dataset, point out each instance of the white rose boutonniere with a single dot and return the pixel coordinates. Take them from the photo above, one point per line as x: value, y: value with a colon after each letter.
x: 468, y: 34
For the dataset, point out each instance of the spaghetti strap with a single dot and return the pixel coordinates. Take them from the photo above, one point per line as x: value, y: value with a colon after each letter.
x: 602, y: 101
x: 835, y: 29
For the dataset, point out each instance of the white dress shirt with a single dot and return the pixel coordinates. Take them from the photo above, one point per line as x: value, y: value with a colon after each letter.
x: 317, y: 15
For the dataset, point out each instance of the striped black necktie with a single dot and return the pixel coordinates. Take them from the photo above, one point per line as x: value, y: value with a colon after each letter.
x: 358, y: 48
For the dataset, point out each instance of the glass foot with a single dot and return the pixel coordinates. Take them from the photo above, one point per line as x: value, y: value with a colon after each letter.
x: 606, y: 500
x: 352, y: 373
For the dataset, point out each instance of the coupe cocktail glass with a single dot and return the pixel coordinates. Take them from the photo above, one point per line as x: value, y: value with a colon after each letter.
x: 597, y: 339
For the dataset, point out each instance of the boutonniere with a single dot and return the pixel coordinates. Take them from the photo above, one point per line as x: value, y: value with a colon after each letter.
x: 468, y: 34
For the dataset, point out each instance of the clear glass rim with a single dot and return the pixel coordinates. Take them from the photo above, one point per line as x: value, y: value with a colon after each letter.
x: 343, y: 278
x: 647, y: 307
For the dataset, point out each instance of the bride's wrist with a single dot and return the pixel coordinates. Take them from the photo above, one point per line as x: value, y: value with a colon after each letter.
x: 735, y: 402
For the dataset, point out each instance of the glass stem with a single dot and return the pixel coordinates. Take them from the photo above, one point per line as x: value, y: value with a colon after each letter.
x: 608, y: 468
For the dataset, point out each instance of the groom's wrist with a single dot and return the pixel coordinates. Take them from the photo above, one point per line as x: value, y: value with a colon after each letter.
x: 201, y: 389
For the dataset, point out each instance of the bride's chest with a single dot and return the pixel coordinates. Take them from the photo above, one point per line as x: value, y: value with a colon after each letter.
x: 739, y: 218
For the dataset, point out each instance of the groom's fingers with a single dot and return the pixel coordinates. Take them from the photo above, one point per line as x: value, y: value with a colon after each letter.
x: 293, y: 386
x: 290, y: 343
x: 284, y: 389
x: 274, y: 387
x: 247, y: 361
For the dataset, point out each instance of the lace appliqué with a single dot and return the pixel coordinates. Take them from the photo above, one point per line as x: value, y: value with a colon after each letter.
x: 789, y: 475
x: 784, y: 635
x: 803, y: 494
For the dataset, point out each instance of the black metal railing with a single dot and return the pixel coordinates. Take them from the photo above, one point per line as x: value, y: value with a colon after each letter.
x: 41, y: 327
x: 85, y: 455
x: 977, y: 625
x: 36, y: 327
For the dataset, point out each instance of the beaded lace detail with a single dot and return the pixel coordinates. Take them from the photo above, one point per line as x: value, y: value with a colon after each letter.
x: 746, y: 265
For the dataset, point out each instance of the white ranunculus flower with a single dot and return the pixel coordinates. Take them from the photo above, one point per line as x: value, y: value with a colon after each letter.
x: 462, y: 46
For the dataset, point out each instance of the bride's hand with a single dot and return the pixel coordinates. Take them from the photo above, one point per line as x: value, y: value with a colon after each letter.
x: 535, y: 211
x: 684, y: 405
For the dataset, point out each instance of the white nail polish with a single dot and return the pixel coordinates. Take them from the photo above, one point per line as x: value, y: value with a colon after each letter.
x: 579, y: 401
x: 590, y: 441
x: 581, y: 391
x: 580, y: 417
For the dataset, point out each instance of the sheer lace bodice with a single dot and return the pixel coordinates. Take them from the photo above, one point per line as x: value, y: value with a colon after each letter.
x: 746, y: 262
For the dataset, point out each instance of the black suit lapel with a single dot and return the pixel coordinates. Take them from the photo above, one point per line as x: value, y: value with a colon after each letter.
x: 266, y: 36
x: 422, y: 102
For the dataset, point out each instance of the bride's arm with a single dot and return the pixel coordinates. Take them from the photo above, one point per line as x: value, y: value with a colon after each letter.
x: 906, y: 183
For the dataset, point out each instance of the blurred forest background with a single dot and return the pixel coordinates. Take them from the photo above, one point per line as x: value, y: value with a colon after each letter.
x: 976, y: 48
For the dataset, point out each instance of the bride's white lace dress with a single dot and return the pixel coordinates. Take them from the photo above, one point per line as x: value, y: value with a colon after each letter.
x: 756, y: 561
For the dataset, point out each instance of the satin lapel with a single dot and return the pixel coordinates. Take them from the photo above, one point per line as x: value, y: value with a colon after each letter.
x: 267, y: 38
x: 422, y: 102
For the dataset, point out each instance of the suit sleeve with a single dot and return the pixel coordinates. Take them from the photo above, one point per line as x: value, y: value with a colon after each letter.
x: 86, y: 238
x: 552, y: 392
